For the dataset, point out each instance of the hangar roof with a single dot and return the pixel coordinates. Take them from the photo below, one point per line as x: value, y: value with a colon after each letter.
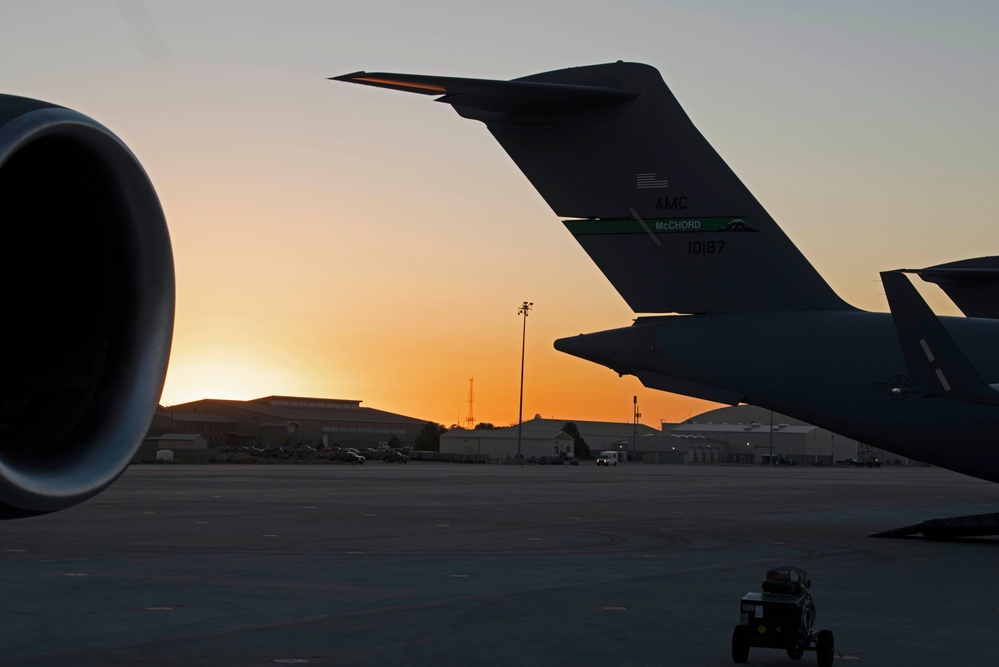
x: 754, y: 427
x: 591, y: 428
x: 198, y: 417
x: 294, y: 408
x: 506, y: 433
x: 177, y: 437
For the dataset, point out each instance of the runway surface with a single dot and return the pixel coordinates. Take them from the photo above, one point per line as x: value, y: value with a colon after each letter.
x: 445, y: 564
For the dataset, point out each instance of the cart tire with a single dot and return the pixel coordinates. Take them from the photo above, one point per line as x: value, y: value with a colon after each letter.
x: 740, y: 644
x: 795, y: 652
x: 808, y: 616
x: 825, y: 648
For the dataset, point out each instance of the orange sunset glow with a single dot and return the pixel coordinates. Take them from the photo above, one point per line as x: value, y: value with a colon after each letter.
x: 347, y: 242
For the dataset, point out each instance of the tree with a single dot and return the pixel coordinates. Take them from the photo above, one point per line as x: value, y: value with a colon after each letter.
x: 394, y: 443
x: 429, y: 437
x: 483, y: 426
x: 579, y: 446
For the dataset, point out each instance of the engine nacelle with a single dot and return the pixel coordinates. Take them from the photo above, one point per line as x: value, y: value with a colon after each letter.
x: 87, y: 271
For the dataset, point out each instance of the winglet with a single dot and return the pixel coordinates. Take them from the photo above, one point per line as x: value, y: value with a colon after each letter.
x: 937, y: 365
x: 404, y: 82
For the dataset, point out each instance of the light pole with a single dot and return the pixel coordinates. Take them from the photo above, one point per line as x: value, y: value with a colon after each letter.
x: 524, y: 309
x: 634, y: 427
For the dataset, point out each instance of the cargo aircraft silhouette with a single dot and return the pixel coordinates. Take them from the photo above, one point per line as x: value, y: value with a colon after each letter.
x: 729, y: 309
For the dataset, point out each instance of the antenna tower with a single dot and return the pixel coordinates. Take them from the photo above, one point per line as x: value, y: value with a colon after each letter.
x: 470, y: 422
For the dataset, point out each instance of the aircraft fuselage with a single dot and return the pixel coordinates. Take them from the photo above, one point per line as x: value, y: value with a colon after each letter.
x: 834, y: 369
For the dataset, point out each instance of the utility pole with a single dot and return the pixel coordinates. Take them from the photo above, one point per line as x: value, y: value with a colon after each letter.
x: 524, y: 309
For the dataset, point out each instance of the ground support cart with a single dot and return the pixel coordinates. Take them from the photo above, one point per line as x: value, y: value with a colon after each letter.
x: 781, y: 617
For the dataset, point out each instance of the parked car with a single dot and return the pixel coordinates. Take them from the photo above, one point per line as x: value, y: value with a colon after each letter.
x: 349, y: 456
x: 395, y: 456
x: 778, y: 460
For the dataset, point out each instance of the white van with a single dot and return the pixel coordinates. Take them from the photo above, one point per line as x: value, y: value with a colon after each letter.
x: 608, y: 458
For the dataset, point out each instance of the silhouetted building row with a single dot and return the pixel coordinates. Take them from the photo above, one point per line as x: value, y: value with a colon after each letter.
x: 740, y: 434
x: 543, y: 437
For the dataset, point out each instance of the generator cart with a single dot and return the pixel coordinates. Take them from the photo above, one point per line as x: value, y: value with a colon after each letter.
x: 781, y: 617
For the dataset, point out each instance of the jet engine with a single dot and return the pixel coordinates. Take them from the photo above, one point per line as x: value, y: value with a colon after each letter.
x: 87, y: 316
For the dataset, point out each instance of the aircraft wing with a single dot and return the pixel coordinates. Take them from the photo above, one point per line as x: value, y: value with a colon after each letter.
x: 937, y: 365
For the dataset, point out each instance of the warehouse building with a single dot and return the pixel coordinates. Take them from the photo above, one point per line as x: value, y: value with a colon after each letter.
x: 500, y: 444
x: 184, y: 447
x: 600, y: 436
x: 544, y: 437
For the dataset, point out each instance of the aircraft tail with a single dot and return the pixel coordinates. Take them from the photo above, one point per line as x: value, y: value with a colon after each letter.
x: 937, y: 365
x: 656, y: 208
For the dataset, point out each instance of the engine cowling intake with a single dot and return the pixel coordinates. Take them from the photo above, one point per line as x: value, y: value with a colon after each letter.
x: 88, y: 306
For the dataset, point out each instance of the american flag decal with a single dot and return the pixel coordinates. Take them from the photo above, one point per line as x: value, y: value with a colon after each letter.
x: 650, y: 182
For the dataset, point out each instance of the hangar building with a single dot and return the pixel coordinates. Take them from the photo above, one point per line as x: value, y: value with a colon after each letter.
x: 748, y: 434
x: 286, y: 420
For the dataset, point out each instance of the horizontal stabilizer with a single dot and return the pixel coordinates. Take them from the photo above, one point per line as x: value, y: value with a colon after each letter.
x: 937, y: 365
x: 972, y: 284
x: 973, y: 525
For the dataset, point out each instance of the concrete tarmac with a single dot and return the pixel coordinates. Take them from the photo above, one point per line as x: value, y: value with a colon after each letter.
x: 447, y: 564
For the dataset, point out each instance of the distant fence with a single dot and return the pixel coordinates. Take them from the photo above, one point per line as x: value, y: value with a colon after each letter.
x: 447, y: 457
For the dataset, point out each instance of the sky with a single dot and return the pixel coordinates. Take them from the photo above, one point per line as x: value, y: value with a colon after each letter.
x: 346, y: 242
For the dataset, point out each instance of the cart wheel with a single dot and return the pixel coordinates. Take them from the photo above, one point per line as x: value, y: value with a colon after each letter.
x: 795, y: 652
x: 825, y: 648
x: 808, y: 616
x: 740, y: 644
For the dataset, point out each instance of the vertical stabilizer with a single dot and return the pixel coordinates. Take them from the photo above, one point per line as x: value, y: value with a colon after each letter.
x: 937, y: 365
x: 656, y: 208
